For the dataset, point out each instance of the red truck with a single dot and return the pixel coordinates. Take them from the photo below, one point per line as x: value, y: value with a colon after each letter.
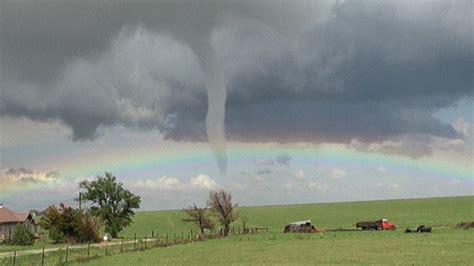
x: 383, y: 224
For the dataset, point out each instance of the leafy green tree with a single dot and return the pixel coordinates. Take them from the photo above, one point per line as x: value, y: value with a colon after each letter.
x: 22, y: 236
x: 113, y: 204
x: 220, y: 203
x: 198, y: 216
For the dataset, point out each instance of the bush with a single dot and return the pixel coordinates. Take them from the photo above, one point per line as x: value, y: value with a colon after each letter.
x: 88, y: 228
x: 72, y: 225
x: 22, y: 236
x: 56, y: 235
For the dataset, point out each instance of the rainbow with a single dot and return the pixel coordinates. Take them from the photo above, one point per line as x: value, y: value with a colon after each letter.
x: 170, y: 160
x: 123, y: 162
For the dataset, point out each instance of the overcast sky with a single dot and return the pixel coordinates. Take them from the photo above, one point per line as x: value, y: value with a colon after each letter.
x: 301, y: 101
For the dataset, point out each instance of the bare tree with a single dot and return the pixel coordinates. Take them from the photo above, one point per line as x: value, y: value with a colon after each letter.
x: 198, y: 216
x: 220, y: 203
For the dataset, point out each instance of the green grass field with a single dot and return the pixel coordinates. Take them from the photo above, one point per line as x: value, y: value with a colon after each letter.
x: 445, y: 246
x: 404, y: 213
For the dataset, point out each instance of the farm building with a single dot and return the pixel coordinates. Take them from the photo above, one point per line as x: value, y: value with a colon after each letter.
x: 10, y: 219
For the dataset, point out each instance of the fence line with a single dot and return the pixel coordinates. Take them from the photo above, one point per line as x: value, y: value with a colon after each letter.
x: 57, y: 255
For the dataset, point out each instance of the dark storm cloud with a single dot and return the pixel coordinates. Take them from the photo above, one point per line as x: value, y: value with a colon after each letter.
x: 365, y: 70
x: 364, y: 74
x: 318, y: 121
x: 367, y: 73
x: 186, y: 125
x: 40, y: 37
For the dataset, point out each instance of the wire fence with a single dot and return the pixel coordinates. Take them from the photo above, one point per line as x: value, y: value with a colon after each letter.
x: 81, y: 253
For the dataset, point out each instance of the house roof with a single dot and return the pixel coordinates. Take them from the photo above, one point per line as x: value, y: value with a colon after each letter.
x: 9, y: 216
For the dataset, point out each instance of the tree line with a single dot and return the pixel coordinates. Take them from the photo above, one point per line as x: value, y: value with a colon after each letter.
x: 111, y: 206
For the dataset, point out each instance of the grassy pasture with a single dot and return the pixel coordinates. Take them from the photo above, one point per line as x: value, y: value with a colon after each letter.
x: 445, y: 246
x: 404, y: 213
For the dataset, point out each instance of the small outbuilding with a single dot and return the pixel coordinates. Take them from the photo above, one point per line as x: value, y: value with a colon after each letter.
x: 10, y: 219
x: 300, y: 227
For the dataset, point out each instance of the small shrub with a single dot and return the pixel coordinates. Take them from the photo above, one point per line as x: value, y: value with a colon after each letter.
x: 22, y: 236
x: 88, y: 228
x: 71, y: 225
x: 56, y: 235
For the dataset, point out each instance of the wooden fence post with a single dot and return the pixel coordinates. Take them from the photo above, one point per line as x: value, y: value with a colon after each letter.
x: 88, y: 248
x: 134, y: 241
x: 42, y: 257
x: 67, y: 251
x: 121, y: 246
x: 145, y: 241
x: 14, y: 257
x: 166, y: 240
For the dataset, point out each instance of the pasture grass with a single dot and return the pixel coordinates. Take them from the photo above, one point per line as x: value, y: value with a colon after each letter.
x: 404, y: 213
x: 446, y: 245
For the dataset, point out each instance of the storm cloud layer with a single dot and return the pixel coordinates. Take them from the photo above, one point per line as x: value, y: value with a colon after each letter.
x: 294, y: 72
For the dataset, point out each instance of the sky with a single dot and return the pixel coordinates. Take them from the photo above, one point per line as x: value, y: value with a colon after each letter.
x: 279, y: 102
